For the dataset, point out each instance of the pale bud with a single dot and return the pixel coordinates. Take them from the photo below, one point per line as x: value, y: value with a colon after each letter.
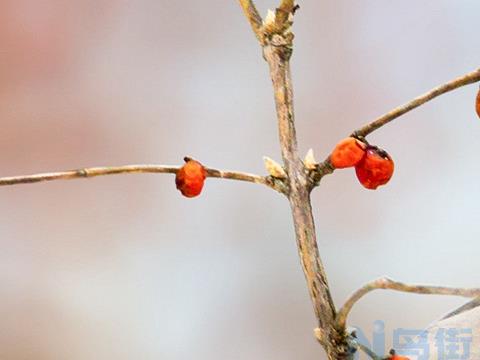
x: 274, y: 169
x: 269, y: 21
x: 310, y: 162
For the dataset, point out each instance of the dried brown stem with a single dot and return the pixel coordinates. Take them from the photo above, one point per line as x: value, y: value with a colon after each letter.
x: 277, y: 49
x: 388, y: 284
x: 254, y: 18
x: 132, y: 169
x: 283, y: 13
x: 277, y: 58
x: 467, y: 79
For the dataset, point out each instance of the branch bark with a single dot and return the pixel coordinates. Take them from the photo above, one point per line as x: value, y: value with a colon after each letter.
x: 277, y: 56
x: 277, y: 48
x: 388, y: 284
x: 253, y: 17
x: 135, y: 169
x: 467, y: 79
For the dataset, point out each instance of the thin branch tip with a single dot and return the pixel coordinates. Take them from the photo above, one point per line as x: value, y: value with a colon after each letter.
x: 386, y: 283
x: 326, y: 167
x: 466, y: 79
x: 253, y: 17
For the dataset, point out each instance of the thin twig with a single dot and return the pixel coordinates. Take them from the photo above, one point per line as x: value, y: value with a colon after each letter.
x: 325, y: 167
x: 369, y: 352
x: 469, y: 78
x: 282, y: 14
x: 253, y: 17
x: 132, y: 169
x: 388, y: 284
x: 466, y: 307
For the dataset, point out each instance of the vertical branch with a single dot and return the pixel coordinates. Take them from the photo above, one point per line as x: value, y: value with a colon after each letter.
x: 277, y: 54
x: 276, y: 39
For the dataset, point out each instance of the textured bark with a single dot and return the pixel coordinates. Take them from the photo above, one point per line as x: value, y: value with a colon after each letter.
x: 277, y: 54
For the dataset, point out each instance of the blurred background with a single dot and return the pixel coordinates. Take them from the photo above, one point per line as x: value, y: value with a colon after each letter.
x: 125, y: 268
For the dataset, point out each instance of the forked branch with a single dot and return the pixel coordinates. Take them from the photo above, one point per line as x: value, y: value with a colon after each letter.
x: 388, y: 284
x: 276, y: 40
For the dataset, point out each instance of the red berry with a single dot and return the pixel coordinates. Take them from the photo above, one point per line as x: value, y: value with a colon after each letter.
x: 375, y: 169
x: 477, y: 103
x: 190, y: 178
x: 398, y: 357
x: 394, y: 356
x: 347, y: 153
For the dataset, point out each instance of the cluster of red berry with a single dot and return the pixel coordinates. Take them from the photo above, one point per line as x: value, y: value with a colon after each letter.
x: 374, y: 167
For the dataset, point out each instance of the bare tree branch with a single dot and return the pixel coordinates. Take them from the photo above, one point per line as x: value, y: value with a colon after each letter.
x: 326, y: 167
x: 132, y: 169
x: 276, y: 39
x: 277, y: 54
x: 369, y: 352
x: 469, y: 78
x: 388, y: 284
x: 277, y: 49
x: 465, y: 307
x: 283, y: 13
x: 253, y: 17
x: 277, y: 58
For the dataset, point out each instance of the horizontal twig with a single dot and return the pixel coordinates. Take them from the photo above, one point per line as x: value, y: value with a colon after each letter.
x: 388, y: 284
x: 469, y: 78
x: 132, y: 169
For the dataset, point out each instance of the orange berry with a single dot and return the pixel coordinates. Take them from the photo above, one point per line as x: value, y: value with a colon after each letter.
x: 394, y: 356
x: 375, y: 169
x: 347, y: 153
x: 190, y: 178
x: 398, y: 357
x: 477, y: 103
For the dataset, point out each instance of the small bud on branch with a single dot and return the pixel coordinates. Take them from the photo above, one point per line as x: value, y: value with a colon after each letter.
x: 310, y: 162
x: 274, y: 169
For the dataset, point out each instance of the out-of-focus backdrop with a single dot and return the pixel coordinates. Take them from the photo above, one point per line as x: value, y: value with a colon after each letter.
x: 125, y: 268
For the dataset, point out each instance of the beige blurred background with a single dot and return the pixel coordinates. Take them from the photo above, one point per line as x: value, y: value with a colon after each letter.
x: 125, y: 268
